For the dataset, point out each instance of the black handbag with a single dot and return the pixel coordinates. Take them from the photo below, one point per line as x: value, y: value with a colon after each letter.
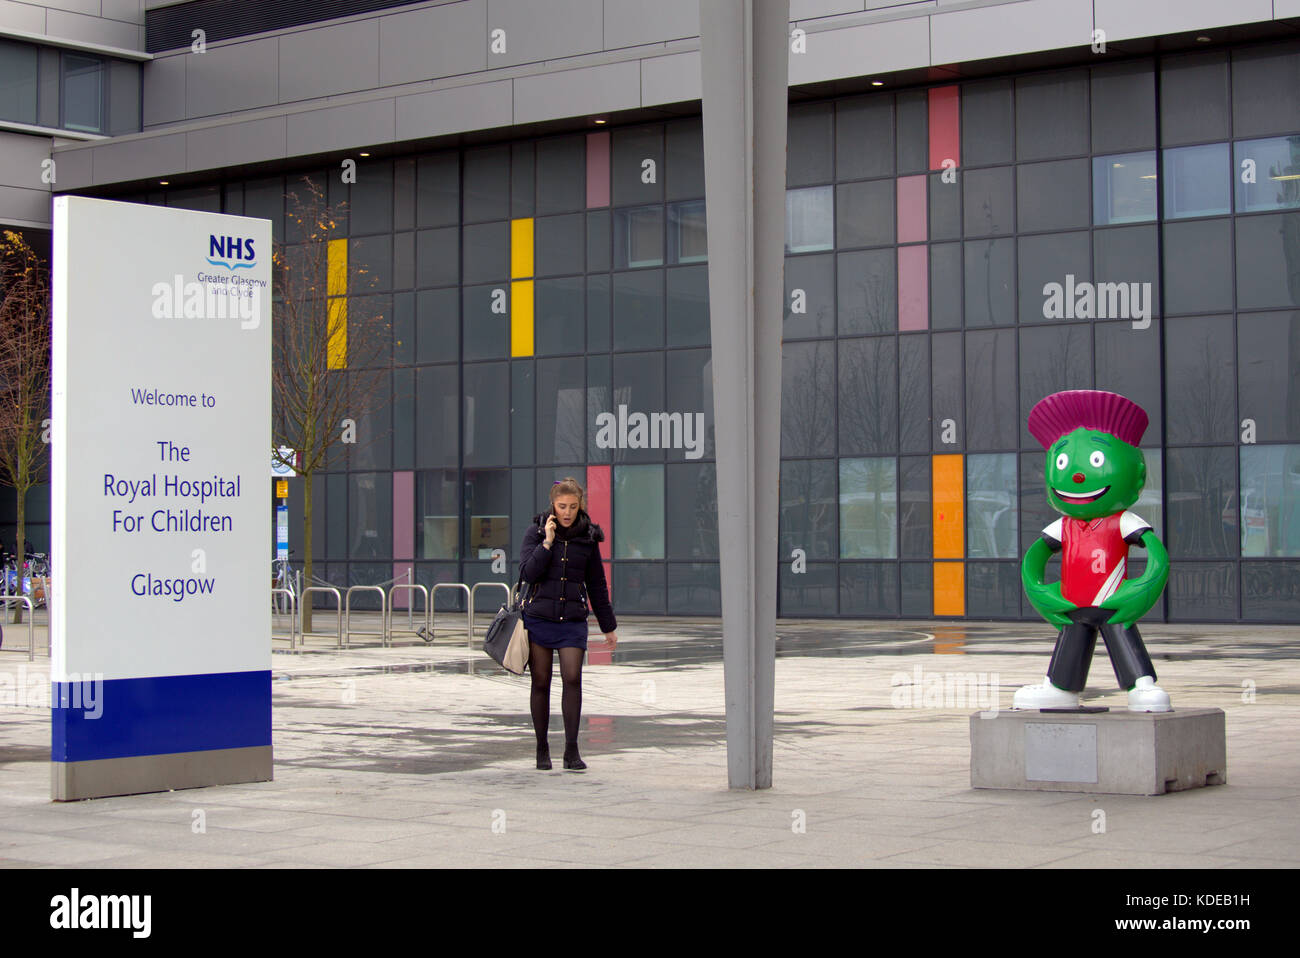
x: 506, y: 641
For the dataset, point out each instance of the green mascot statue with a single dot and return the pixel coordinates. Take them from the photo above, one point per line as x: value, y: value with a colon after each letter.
x: 1095, y: 473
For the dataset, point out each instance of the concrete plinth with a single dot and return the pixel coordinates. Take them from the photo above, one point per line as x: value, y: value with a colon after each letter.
x: 1118, y: 752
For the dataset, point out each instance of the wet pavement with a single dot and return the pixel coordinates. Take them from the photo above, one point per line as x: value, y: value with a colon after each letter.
x: 422, y: 755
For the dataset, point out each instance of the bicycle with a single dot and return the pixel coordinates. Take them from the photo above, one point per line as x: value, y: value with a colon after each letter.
x: 282, y: 579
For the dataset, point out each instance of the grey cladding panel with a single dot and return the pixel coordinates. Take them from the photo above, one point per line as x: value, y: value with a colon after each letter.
x: 544, y: 31
x: 226, y: 79
x: 434, y: 42
x: 341, y: 59
x: 633, y: 22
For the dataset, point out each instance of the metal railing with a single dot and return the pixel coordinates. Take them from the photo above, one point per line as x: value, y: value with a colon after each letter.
x: 31, y: 626
x: 469, y: 609
x: 338, y: 598
x: 413, y: 589
x: 292, y: 613
x: 473, y: 592
x: 383, y: 614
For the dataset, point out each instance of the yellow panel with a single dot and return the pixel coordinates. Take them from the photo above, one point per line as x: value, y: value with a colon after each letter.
x: 521, y: 318
x: 337, y: 288
x: 949, y: 588
x: 949, y: 507
x: 521, y: 249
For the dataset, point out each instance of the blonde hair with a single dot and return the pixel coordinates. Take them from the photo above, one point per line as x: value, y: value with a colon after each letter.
x: 568, y: 486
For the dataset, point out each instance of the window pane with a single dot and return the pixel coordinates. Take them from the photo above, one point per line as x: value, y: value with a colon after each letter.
x: 17, y: 82
x: 915, y: 583
x: 864, y: 213
x: 688, y: 306
x: 809, y: 219
x: 638, y: 380
x: 691, y: 499
x: 487, y: 513
x: 437, y: 257
x: 686, y: 233
x: 1053, y: 358
x: 437, y: 325
x: 598, y: 313
x: 987, y: 123
x: 1194, y: 98
x: 1276, y: 169
x: 1052, y: 115
x: 639, y: 310
x: 808, y: 509
x: 990, y: 282
x: 1266, y: 90
x: 598, y: 241
x: 1127, y: 255
x: 1268, y: 355
x: 1126, y: 358
x: 1268, y: 261
x: 945, y: 286
x: 992, y: 507
x: 1123, y: 188
x: 370, y: 515
x: 487, y: 414
x: 83, y: 93
x: 1047, y: 259
x: 523, y: 410
x: 373, y: 448
x: 639, y: 237
x: 560, y: 316
x: 1123, y: 107
x: 1270, y: 500
x: 1199, y: 380
x: 438, y: 190
x: 914, y: 393
x: 561, y: 410
x: 913, y: 131
x: 868, y: 508
x: 690, y: 392
x: 811, y: 592
x: 630, y: 148
x: 916, y: 538
x: 685, y: 144
x: 987, y: 197
x: 1198, y: 266
x: 1202, y: 591
x: 809, y: 297
x: 864, y: 137
x: 640, y: 587
x: 1203, y: 515
x: 1196, y: 181
x: 486, y: 249
x: 992, y: 418
x: 811, y: 150
x: 808, y: 399
x: 868, y: 292
x: 868, y: 397
x: 437, y: 426
x: 1052, y: 196
x: 371, y: 206
x: 993, y: 590
x: 1270, y: 590
x: 561, y: 174
x: 598, y: 401
x: 487, y: 184
x: 947, y: 403
x: 945, y: 208
x: 868, y: 588
x: 638, y: 513
x: 486, y: 330
x: 437, y: 530
x: 694, y: 589
x: 560, y: 244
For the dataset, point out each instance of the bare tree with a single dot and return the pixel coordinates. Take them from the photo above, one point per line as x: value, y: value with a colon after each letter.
x: 24, y: 375
x: 332, y: 347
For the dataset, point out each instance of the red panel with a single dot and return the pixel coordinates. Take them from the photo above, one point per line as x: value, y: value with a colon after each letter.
x: 600, y: 508
x: 913, y: 287
x: 945, y: 133
x: 597, y: 169
x: 912, y: 225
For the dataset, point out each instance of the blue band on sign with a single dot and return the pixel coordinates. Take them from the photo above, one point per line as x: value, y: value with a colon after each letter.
x: 120, y: 718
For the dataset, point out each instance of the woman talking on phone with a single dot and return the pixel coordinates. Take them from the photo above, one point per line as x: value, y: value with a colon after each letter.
x: 560, y: 561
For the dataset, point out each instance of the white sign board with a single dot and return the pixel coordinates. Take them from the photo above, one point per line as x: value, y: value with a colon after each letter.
x: 161, y: 422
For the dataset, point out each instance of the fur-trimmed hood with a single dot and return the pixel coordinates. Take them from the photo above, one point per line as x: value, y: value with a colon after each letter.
x: 582, y: 528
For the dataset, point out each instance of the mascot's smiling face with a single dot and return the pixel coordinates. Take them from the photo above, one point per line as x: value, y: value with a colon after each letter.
x: 1091, y: 474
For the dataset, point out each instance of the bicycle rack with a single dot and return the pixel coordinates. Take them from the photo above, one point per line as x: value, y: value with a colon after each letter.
x: 293, y: 618
x: 338, y: 597
x: 473, y: 591
x: 383, y: 614
x: 417, y: 589
x: 469, y: 609
x: 31, y: 626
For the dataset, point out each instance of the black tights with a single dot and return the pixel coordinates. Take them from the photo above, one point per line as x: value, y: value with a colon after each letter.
x: 540, y: 663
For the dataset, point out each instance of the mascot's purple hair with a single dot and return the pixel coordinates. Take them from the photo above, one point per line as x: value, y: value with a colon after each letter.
x: 1061, y: 413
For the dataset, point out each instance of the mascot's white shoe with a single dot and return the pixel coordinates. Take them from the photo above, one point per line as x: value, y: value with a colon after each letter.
x: 1044, y: 696
x: 1146, y: 696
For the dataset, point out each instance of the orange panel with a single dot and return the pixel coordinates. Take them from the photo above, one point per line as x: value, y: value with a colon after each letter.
x: 949, y: 588
x: 949, y: 507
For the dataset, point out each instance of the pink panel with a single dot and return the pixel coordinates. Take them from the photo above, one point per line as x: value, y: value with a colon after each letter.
x: 600, y: 508
x: 403, y: 515
x: 913, y: 287
x: 945, y: 138
x: 912, y: 225
x: 597, y: 169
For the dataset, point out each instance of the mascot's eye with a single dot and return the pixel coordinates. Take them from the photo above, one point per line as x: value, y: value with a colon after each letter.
x: 1098, y: 459
x: 1062, y: 461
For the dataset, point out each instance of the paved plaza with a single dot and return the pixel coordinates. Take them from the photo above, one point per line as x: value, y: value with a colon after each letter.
x: 421, y: 756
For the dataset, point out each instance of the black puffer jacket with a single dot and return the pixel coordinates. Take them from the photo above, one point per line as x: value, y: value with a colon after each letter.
x: 559, y: 580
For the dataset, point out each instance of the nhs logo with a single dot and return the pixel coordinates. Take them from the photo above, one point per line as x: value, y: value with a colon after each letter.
x: 231, y: 252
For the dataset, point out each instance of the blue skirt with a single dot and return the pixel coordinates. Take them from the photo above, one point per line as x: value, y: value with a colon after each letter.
x: 556, y: 635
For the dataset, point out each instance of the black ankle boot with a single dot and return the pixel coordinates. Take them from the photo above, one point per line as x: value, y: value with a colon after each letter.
x: 571, y: 757
x: 544, y: 757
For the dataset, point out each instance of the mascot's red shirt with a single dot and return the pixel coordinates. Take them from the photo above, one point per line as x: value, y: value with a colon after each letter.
x: 1094, y: 556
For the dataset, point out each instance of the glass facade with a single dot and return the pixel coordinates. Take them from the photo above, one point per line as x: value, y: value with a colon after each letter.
x: 68, y: 89
x: 945, y: 269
